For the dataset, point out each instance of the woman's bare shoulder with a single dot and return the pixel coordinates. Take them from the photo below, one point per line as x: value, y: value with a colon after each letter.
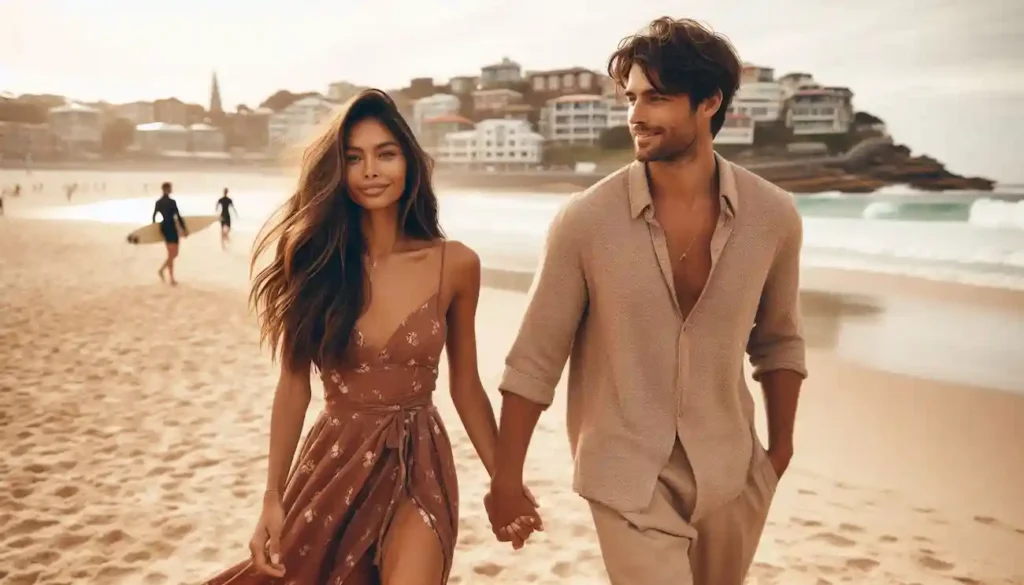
x: 462, y: 264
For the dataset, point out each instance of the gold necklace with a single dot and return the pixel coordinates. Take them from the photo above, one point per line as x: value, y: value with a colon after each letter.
x: 692, y: 242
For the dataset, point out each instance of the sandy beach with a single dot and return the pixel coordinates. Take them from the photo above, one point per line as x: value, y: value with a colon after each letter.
x: 135, y: 418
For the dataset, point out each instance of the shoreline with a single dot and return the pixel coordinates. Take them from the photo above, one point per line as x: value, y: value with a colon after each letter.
x: 137, y: 416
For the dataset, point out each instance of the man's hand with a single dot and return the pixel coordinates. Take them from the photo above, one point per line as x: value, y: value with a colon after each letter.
x: 512, y: 511
x: 780, y: 457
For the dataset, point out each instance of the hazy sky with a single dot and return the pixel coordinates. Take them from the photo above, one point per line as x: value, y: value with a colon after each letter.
x: 947, y: 75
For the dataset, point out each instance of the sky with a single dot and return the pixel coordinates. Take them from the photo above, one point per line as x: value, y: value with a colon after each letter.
x: 946, y: 75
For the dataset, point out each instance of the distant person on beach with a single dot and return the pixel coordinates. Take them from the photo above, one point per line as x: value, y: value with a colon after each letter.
x: 226, y: 206
x: 364, y: 287
x: 653, y: 284
x: 167, y: 208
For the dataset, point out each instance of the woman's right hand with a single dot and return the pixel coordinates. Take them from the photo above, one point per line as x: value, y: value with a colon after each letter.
x: 265, y: 545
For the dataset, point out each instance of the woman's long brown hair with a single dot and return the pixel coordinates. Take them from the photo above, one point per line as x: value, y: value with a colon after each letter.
x: 308, y: 298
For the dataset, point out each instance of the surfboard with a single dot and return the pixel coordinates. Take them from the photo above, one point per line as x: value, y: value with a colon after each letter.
x: 150, y: 234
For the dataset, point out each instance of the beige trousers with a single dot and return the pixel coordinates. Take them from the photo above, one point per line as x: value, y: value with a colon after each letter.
x: 660, y: 546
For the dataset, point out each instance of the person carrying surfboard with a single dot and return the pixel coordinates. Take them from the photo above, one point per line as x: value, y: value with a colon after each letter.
x: 168, y: 210
x: 225, y: 205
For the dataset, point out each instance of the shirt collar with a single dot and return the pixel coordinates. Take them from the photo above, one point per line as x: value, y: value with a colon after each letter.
x: 640, y: 191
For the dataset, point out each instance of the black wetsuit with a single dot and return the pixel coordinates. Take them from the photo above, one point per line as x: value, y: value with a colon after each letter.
x: 168, y: 210
x: 225, y: 204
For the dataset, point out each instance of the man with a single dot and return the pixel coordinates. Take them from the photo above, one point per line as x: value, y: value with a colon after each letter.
x: 225, y: 205
x: 168, y: 210
x: 653, y: 282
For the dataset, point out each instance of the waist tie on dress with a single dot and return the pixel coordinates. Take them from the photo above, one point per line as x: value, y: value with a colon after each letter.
x: 396, y: 436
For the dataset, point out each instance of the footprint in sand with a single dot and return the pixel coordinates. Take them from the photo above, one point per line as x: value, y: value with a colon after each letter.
x: 852, y: 528
x: 929, y: 562
x: 887, y: 538
x: 834, y: 539
x: 488, y: 569
x: 806, y: 523
x: 862, y: 564
x: 562, y: 569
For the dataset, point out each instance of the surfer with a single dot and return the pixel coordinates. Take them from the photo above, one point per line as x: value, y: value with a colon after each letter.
x: 168, y: 210
x: 226, y: 205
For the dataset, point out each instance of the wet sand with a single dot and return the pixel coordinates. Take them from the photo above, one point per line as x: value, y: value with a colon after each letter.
x: 135, y: 417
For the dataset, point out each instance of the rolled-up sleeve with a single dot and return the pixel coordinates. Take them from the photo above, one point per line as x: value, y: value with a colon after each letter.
x: 557, y: 300
x: 776, y: 341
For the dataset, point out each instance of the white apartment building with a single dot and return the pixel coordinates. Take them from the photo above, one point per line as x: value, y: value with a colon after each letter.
x: 761, y: 100
x: 577, y: 119
x: 157, y: 137
x: 737, y: 130
x: 78, y: 126
x: 794, y: 82
x: 618, y: 114
x: 297, y: 124
x: 820, y: 111
x: 508, y: 144
x: 439, y: 104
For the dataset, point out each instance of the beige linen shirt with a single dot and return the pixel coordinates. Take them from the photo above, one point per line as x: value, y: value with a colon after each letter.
x: 639, y: 374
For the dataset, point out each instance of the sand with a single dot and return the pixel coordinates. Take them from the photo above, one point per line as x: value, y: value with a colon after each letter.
x: 135, y: 416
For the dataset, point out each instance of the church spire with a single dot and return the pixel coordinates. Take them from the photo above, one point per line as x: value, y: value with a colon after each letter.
x: 216, y: 108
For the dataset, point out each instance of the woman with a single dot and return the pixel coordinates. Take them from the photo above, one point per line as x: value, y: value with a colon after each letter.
x: 364, y: 288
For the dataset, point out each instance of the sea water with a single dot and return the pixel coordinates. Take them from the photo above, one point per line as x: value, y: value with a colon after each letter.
x: 970, y: 237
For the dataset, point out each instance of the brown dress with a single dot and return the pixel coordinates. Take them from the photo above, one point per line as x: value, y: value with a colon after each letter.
x: 378, y: 442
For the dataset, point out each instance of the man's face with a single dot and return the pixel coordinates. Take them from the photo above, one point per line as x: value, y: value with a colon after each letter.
x: 664, y: 127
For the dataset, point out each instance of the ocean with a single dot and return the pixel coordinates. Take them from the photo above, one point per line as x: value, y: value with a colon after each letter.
x: 975, y: 238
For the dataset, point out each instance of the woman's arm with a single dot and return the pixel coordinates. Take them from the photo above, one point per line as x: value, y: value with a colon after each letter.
x: 291, y: 399
x: 467, y: 391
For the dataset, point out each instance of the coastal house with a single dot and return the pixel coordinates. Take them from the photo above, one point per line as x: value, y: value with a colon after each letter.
x: 558, y: 82
x: 794, y: 82
x: 77, y: 126
x: 136, y: 112
x: 439, y: 104
x: 738, y: 130
x: 161, y: 137
x: 433, y: 130
x: 760, y: 100
x: 492, y: 144
x: 206, y: 138
x: 751, y: 73
x: 251, y: 129
x: 493, y: 101
x: 341, y: 91
x: 503, y: 73
x: 826, y: 110
x: 576, y: 119
x: 463, y: 84
x: 23, y: 140
x: 297, y: 124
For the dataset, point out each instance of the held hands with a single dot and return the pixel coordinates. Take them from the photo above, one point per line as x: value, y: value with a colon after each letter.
x: 512, y: 510
x: 265, y: 545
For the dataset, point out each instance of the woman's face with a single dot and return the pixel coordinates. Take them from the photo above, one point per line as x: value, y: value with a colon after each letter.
x: 375, y: 165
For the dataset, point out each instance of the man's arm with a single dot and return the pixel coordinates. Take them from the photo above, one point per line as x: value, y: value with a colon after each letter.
x: 534, y: 365
x: 776, y: 344
x: 156, y: 209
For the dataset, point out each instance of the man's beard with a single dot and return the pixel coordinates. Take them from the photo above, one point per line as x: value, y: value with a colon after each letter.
x: 667, y: 151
